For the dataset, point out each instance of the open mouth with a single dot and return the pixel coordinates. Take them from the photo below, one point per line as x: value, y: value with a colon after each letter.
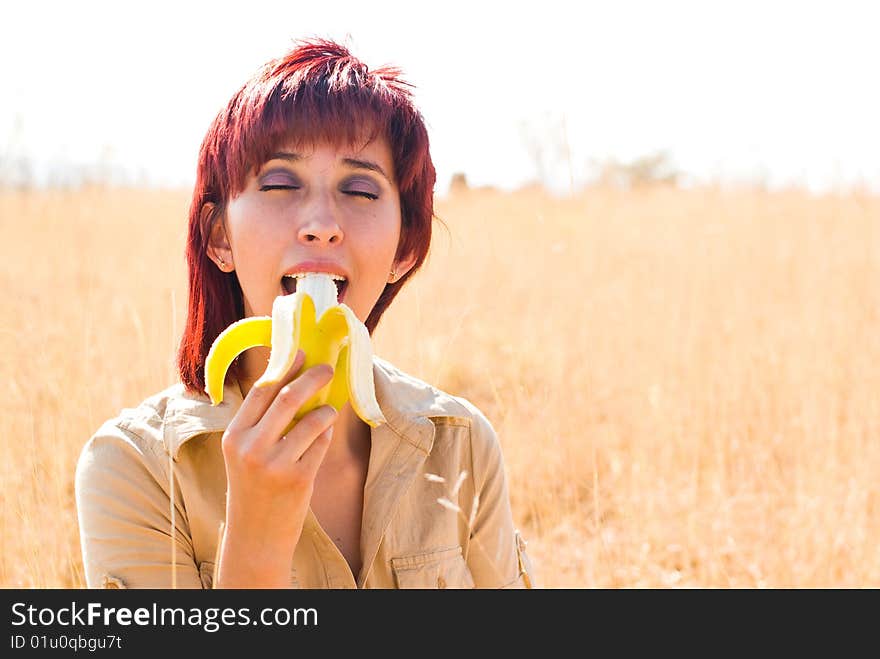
x: 289, y: 283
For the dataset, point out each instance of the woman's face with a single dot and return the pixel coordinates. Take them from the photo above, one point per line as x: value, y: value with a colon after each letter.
x: 322, y: 208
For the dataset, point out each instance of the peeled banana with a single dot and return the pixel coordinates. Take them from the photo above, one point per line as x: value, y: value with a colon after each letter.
x: 328, y: 332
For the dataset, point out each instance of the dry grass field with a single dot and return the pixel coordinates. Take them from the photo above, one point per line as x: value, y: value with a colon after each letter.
x: 686, y: 383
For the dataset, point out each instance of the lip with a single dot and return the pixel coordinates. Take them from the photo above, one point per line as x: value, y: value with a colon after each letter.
x: 319, y: 266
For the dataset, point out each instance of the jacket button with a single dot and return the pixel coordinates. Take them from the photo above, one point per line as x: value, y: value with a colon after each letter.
x: 441, y: 582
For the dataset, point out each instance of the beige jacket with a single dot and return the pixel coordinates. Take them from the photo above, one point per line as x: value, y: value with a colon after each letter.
x: 171, y: 443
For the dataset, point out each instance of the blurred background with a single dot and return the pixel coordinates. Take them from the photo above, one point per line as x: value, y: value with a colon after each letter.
x: 657, y: 271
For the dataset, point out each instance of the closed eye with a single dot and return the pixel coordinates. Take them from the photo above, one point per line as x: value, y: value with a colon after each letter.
x: 362, y: 193
x: 266, y: 188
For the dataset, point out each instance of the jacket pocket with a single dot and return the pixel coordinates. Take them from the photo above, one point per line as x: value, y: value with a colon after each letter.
x: 441, y: 568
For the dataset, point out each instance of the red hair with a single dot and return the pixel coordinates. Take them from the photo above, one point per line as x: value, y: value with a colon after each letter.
x: 317, y: 92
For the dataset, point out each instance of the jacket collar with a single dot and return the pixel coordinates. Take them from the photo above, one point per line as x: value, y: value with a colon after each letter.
x: 400, y: 446
x: 407, y: 404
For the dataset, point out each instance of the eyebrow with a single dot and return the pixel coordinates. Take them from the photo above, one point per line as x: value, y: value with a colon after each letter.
x: 351, y: 162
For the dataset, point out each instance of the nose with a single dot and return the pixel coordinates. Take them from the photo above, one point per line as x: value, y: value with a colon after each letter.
x: 320, y: 223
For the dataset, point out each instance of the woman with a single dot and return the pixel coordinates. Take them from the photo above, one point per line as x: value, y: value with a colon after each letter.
x: 317, y: 164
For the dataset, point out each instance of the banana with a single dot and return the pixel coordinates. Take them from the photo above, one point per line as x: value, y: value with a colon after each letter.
x: 328, y: 332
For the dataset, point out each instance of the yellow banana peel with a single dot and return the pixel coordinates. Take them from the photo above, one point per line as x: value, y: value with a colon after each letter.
x: 328, y: 332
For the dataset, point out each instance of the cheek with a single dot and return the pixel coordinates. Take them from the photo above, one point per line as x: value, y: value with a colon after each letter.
x: 384, y: 232
x: 250, y: 228
x: 236, y: 222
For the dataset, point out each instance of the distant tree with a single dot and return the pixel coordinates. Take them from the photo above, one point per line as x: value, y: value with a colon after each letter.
x: 16, y: 170
x: 458, y: 183
x: 652, y: 169
x: 545, y: 139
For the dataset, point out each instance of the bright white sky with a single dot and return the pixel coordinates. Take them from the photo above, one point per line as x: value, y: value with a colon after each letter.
x: 777, y: 89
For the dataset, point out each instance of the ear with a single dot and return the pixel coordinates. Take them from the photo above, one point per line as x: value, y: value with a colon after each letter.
x: 219, y: 250
x: 401, y: 267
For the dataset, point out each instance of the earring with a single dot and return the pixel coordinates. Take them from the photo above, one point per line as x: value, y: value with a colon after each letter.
x: 392, y: 277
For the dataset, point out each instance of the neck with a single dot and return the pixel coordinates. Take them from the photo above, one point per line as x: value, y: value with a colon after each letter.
x: 351, y: 437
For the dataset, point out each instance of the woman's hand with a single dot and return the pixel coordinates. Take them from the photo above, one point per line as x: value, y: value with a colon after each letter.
x: 270, y: 478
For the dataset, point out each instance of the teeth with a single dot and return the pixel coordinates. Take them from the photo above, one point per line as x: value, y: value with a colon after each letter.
x: 325, y: 287
x: 300, y: 275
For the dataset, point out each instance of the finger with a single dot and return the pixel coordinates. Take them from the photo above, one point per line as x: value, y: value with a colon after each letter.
x: 258, y: 399
x: 311, y: 459
x: 290, y: 399
x: 308, y: 430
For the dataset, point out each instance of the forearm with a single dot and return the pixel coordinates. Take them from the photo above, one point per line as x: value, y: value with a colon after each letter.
x: 256, y: 554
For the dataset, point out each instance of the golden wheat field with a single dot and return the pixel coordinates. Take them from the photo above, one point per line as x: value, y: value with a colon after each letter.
x: 686, y: 383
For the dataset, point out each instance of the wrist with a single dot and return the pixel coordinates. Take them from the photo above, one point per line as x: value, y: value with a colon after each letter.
x: 253, y: 560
